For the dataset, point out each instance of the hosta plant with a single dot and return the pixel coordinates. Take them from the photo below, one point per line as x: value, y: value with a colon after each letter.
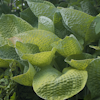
x: 51, y: 47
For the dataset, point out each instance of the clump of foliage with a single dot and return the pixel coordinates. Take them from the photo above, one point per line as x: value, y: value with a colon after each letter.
x: 54, y: 50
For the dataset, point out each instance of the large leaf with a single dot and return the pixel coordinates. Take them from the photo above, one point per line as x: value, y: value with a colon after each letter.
x: 26, y: 48
x: 28, y: 16
x: 42, y: 9
x: 40, y: 59
x: 45, y: 23
x: 68, y: 46
x: 11, y: 25
x: 41, y: 38
x: 93, y: 82
x: 79, y: 61
x: 49, y: 84
x: 79, y: 22
x: 26, y: 78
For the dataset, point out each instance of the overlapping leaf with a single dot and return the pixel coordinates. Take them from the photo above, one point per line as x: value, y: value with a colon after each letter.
x: 45, y: 23
x: 79, y: 22
x: 60, y: 30
x: 26, y: 48
x: 51, y: 85
x: 40, y: 59
x: 28, y: 16
x: 11, y: 25
x: 7, y: 55
x: 79, y: 61
x: 68, y: 46
x: 26, y: 78
x: 93, y: 82
x: 42, y: 9
x: 41, y: 38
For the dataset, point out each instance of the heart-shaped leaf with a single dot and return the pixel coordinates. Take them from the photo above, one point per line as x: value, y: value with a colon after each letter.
x: 68, y: 46
x: 49, y: 84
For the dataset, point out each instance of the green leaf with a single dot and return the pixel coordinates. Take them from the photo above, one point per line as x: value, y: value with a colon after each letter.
x: 93, y: 82
x: 26, y: 48
x: 45, y: 23
x: 91, y: 35
x: 11, y: 25
x: 28, y: 16
x: 97, y: 27
x: 42, y: 9
x: 40, y: 59
x: 60, y: 30
x: 79, y: 22
x: 26, y: 78
x: 3, y: 41
x: 79, y: 61
x: 8, y: 52
x: 13, y: 97
x: 41, y: 38
x: 50, y: 84
x: 68, y: 46
x: 88, y: 8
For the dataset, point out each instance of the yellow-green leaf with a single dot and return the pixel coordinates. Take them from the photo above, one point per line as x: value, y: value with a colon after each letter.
x: 40, y: 59
x: 41, y: 38
x: 26, y: 78
x: 26, y: 48
x: 50, y: 84
x: 68, y: 46
x: 79, y: 61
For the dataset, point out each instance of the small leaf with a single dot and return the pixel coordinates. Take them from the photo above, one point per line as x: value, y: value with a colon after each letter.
x: 50, y: 84
x: 44, y: 23
x: 26, y: 78
x: 11, y: 25
x: 68, y: 46
x: 40, y: 59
